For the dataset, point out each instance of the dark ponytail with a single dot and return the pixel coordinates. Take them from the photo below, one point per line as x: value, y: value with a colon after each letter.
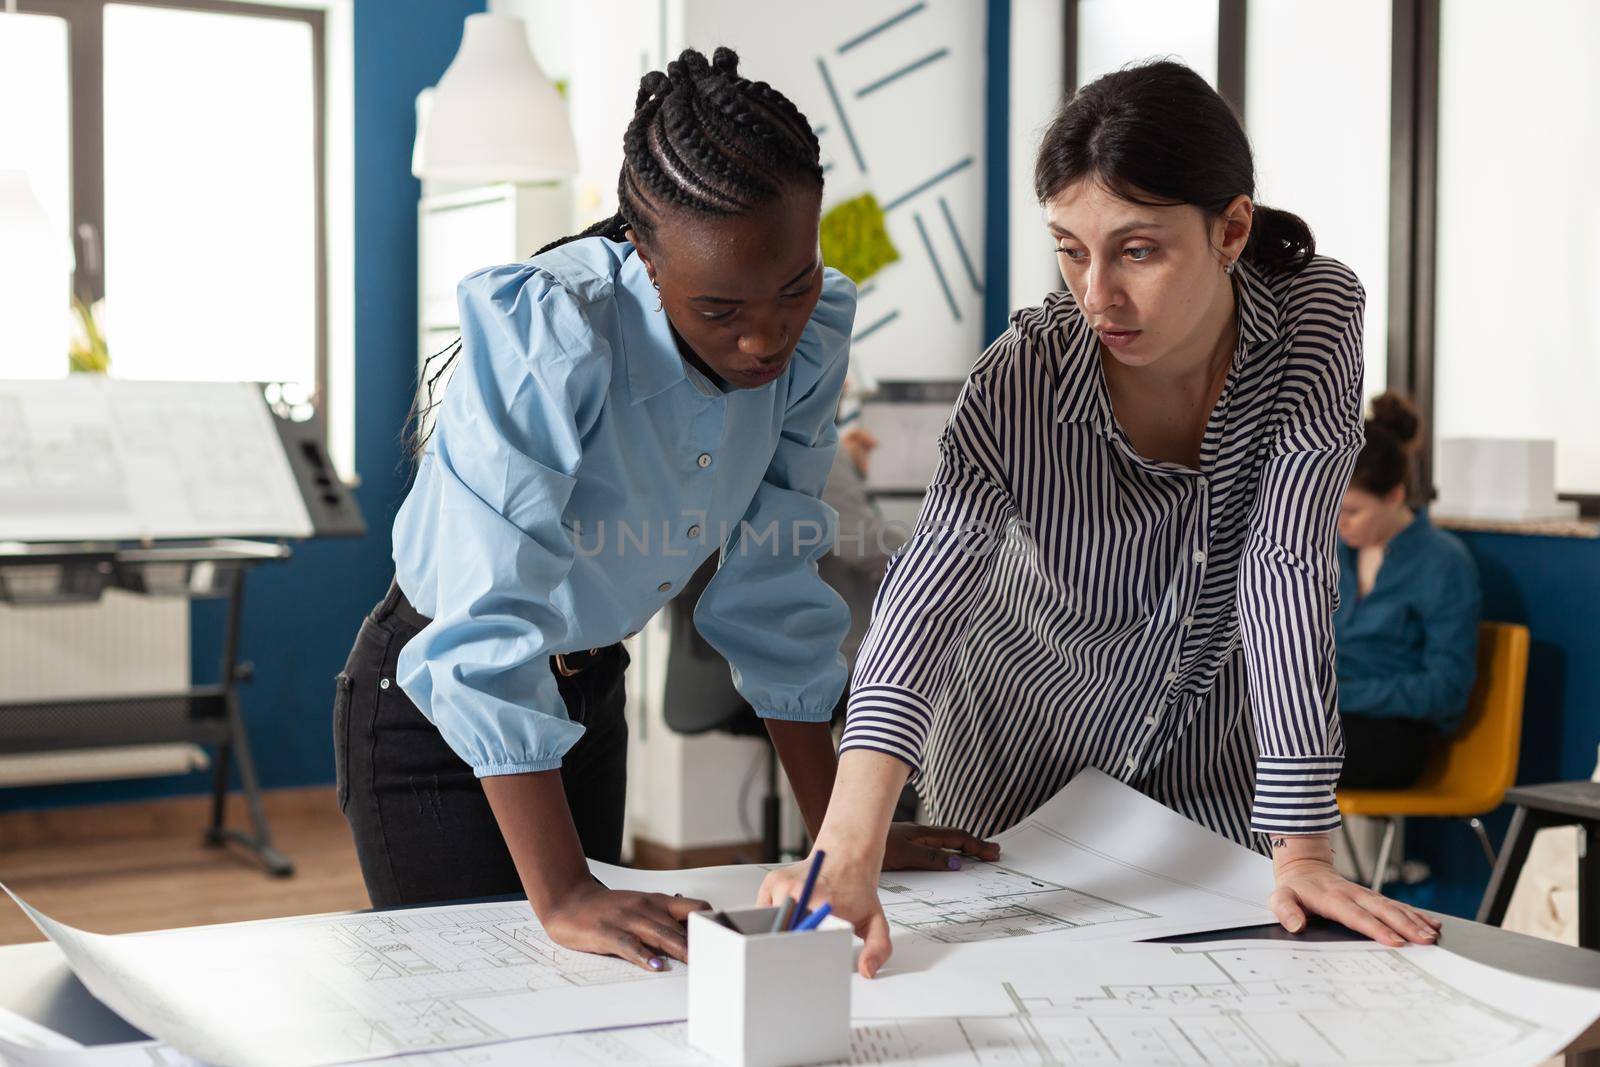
x: 1393, y: 430
x: 1156, y: 133
x: 703, y: 140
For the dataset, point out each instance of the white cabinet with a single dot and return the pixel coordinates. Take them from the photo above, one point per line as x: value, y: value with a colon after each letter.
x: 460, y: 232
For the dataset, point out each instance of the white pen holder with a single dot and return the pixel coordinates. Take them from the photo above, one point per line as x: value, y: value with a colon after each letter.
x: 759, y: 999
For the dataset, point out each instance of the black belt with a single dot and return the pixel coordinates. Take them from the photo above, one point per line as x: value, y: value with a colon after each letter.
x: 395, y: 604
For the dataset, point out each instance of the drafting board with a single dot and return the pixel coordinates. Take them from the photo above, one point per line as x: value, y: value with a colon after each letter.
x: 91, y: 458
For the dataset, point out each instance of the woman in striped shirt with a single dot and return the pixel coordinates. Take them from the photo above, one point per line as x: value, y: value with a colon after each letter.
x: 1126, y: 558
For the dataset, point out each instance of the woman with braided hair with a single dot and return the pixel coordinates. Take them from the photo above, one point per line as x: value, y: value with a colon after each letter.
x: 624, y: 403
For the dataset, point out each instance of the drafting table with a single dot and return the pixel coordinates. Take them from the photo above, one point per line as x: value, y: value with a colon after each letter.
x: 159, y: 489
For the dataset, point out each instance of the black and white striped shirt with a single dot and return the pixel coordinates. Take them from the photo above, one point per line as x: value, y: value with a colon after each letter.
x: 1065, y: 603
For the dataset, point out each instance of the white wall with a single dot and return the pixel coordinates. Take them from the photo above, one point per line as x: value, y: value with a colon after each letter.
x: 906, y: 133
x: 1294, y: 96
x: 1518, y: 318
x: 1037, y: 89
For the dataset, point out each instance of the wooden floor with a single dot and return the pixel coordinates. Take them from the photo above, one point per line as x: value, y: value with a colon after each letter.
x: 141, y: 867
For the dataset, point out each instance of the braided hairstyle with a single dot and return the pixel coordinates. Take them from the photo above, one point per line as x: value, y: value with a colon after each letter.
x: 703, y: 140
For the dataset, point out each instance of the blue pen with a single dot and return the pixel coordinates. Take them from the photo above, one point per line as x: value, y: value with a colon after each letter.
x: 811, y: 883
x: 814, y: 920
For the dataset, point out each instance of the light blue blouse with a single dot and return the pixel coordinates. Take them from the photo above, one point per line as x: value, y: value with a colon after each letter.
x: 577, y: 477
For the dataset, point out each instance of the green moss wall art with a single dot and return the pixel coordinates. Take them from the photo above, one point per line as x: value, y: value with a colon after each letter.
x: 855, y: 241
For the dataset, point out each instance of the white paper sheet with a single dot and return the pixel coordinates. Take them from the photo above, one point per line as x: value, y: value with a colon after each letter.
x: 1098, y: 861
x: 986, y: 966
x: 132, y: 1054
x: 1341, y: 1004
x: 96, y: 458
x: 336, y: 988
x: 17, y: 1032
x: 1247, y: 1002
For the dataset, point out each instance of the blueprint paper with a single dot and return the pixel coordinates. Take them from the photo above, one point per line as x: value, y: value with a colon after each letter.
x: 1244, y: 1002
x: 1249, y: 1003
x: 987, y: 964
x: 93, y: 458
x: 1098, y: 861
x: 336, y: 988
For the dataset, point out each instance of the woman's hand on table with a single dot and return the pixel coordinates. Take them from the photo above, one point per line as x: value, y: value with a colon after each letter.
x: 913, y: 847
x: 637, y: 927
x: 1308, y: 884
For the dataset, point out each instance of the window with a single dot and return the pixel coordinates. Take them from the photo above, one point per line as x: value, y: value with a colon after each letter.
x: 34, y: 151
x: 1113, y: 33
x: 196, y: 182
x: 1517, y: 324
x: 1294, y: 111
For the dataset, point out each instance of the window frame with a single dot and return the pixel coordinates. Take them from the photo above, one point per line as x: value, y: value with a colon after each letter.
x: 86, y: 87
x: 1413, y: 190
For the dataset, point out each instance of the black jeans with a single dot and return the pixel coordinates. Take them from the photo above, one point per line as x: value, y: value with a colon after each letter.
x: 1381, y: 752
x: 423, y: 828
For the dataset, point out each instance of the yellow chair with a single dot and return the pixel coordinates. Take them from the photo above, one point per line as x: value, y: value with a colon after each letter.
x: 1468, y: 773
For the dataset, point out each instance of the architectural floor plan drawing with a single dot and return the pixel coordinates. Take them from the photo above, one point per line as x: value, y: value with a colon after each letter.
x: 1277, y: 1004
x: 1098, y: 861
x: 1251, y: 1003
x: 994, y: 902
x: 97, y: 458
x: 987, y: 970
x: 1243, y: 1003
x: 1033, y: 1001
x: 360, y: 986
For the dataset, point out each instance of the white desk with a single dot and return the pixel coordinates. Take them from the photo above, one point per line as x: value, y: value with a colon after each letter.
x: 36, y: 983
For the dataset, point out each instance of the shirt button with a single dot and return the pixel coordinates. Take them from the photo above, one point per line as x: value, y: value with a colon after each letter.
x: 1131, y: 763
x: 1199, y: 556
x: 694, y: 531
x: 383, y: 683
x: 1149, y: 720
x: 1172, y: 676
x: 663, y: 587
x: 704, y: 460
x: 1188, y: 621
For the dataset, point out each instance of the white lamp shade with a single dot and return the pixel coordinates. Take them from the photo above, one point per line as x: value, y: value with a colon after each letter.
x: 494, y: 116
x: 35, y: 285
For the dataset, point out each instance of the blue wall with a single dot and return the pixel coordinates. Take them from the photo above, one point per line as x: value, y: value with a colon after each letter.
x: 997, y: 172
x: 300, y: 618
x: 1551, y: 585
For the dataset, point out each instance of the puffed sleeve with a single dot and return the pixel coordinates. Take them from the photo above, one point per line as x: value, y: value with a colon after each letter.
x: 505, y: 453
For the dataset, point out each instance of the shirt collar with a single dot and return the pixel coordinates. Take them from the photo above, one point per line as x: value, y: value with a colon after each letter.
x: 1080, y: 382
x: 650, y: 350
x: 1258, y: 309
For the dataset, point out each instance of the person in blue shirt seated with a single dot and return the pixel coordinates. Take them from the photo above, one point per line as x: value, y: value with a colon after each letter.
x: 1407, y: 625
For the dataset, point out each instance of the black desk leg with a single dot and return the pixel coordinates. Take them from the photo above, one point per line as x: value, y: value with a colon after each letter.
x: 1588, y: 885
x: 236, y: 745
x: 1513, y: 854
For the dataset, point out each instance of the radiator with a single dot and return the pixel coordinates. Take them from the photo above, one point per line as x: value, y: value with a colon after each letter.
x: 121, y: 645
